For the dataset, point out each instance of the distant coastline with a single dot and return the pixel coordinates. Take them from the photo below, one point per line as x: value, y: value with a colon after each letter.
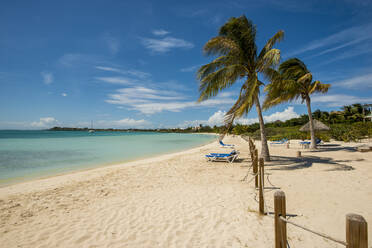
x: 158, y: 130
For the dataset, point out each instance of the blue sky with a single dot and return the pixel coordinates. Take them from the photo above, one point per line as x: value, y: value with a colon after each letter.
x: 132, y: 63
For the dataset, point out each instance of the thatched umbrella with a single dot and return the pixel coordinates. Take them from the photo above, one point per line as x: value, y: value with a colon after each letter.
x: 318, y: 126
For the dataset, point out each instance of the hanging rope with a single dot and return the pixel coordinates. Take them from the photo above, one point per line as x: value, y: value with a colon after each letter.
x: 314, y: 232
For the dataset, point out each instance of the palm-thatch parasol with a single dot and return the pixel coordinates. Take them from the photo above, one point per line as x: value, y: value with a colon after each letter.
x: 318, y: 126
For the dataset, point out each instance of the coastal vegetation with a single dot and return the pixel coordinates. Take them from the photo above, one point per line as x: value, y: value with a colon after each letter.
x: 239, y: 61
x: 347, y: 124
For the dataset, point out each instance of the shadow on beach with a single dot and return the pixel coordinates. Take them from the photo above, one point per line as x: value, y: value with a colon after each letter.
x: 334, y: 148
x: 293, y: 163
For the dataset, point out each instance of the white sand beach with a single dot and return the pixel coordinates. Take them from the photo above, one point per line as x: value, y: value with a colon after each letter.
x: 181, y: 200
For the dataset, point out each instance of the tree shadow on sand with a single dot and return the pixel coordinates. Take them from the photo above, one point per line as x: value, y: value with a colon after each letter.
x: 292, y: 163
x: 333, y: 148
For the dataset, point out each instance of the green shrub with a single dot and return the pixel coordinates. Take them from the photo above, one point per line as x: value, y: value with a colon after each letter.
x: 350, y: 132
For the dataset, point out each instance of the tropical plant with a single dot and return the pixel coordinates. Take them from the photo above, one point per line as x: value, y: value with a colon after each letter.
x: 292, y: 81
x: 238, y: 61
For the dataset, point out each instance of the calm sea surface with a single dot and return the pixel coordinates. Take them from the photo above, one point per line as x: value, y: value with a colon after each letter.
x: 33, y: 154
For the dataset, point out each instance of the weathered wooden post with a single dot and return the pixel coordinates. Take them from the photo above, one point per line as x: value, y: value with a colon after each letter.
x: 280, y: 225
x: 298, y: 154
x: 356, y: 231
x: 251, y: 149
x: 255, y: 168
x: 261, y: 188
x: 262, y: 166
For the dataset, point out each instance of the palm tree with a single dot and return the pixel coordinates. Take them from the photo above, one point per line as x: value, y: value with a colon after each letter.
x: 292, y: 81
x: 238, y: 61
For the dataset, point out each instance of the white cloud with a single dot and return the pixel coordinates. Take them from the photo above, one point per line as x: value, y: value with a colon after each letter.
x: 64, y: 94
x: 218, y: 118
x: 117, y: 80
x: 165, y: 44
x: 150, y: 101
x: 160, y: 32
x: 135, y: 73
x: 45, y: 122
x: 338, y: 100
x: 345, y: 38
x: 287, y: 114
x: 123, y: 123
x: 356, y: 82
x: 47, y: 77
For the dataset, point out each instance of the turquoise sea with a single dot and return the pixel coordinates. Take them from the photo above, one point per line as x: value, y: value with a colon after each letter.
x: 25, y: 155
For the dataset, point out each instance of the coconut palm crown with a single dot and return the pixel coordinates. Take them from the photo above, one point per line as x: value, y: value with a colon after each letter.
x: 237, y: 60
x: 290, y: 82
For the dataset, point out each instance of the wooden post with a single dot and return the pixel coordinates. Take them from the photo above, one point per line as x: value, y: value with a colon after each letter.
x: 255, y: 168
x: 356, y: 231
x: 280, y: 226
x: 262, y: 166
x: 261, y: 201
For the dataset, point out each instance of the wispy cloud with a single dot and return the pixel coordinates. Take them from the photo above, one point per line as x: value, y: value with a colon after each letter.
x: 47, y: 77
x: 163, y: 45
x: 112, y: 43
x: 64, y: 94
x: 160, y: 32
x: 150, y: 101
x: 123, y: 123
x: 218, y: 118
x: 135, y: 73
x: 360, y: 81
x: 78, y: 59
x: 190, y: 69
x: 338, y: 100
x: 346, y: 38
x: 117, y: 80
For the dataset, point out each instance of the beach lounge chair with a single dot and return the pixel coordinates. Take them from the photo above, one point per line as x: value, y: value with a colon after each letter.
x: 225, y: 145
x: 280, y: 142
x: 306, y: 144
x: 229, y: 157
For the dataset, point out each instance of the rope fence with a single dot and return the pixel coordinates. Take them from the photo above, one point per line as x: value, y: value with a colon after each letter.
x: 356, y: 225
x: 314, y: 232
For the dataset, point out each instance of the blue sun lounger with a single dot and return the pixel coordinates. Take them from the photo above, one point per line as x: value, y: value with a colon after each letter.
x: 229, y: 157
x: 279, y: 142
x: 305, y: 144
x: 225, y: 145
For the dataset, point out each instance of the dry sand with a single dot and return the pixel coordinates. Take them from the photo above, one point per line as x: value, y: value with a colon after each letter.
x: 181, y: 200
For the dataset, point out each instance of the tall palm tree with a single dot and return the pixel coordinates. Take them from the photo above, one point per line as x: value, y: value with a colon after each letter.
x: 293, y: 81
x: 238, y: 61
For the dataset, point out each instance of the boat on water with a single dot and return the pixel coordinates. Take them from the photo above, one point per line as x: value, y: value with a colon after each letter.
x: 91, y: 130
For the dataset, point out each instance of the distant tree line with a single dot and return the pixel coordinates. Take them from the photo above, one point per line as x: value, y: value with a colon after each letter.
x: 346, y: 124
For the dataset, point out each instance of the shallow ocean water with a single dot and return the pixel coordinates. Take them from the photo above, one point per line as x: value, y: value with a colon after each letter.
x: 32, y: 154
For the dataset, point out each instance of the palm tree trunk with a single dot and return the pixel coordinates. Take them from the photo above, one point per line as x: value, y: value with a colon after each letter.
x: 312, y: 131
x: 264, y: 148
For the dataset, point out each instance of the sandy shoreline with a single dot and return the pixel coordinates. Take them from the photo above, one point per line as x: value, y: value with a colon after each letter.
x: 181, y: 200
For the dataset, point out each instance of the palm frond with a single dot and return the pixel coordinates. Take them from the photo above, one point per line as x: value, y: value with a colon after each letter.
x: 305, y: 79
x: 220, y: 45
x: 271, y: 58
x: 271, y: 42
x: 218, y: 80
x: 318, y: 86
